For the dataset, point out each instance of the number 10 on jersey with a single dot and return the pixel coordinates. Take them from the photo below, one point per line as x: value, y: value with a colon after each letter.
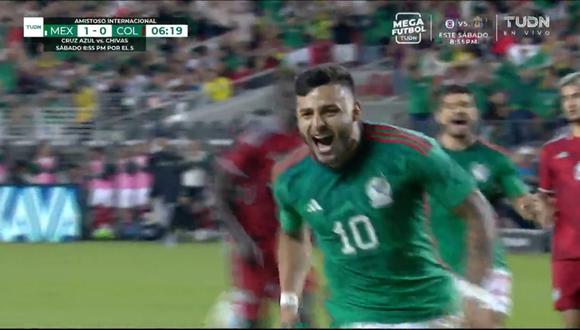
x: 352, y: 233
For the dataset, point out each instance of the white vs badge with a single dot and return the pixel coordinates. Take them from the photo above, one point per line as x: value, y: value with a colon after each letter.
x: 379, y: 192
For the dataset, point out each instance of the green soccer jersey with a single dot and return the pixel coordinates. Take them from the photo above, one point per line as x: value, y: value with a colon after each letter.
x: 368, y: 220
x: 496, y: 177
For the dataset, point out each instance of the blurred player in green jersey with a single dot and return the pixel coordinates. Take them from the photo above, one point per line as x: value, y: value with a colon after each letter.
x: 360, y: 188
x: 496, y: 177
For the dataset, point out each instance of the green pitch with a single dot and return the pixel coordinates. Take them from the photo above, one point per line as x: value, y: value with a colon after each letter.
x: 147, y: 285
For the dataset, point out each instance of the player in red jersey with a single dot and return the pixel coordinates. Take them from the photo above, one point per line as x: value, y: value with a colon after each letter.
x: 559, y: 191
x: 247, y: 209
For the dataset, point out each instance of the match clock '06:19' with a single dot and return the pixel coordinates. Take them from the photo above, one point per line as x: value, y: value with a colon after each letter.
x: 166, y: 30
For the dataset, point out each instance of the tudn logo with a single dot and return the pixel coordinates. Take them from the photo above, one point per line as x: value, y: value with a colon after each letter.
x: 524, y: 26
x: 527, y: 21
x: 408, y: 27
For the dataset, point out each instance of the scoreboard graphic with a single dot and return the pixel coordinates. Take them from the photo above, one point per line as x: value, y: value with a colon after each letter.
x: 101, y: 34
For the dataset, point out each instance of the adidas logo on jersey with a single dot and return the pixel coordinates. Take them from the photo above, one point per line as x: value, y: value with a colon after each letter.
x: 561, y: 155
x: 313, y: 206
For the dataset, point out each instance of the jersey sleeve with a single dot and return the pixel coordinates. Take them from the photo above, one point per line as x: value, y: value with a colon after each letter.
x: 290, y: 221
x: 443, y: 178
x: 511, y: 183
x: 546, y: 175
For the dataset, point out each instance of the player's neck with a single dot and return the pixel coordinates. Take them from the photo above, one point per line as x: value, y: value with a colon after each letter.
x: 575, y: 129
x: 456, y: 143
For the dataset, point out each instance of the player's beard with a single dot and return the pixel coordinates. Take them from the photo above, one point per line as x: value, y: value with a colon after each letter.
x: 347, y: 142
x: 463, y: 137
x: 342, y: 148
x: 459, y: 134
x: 572, y: 115
x: 573, y: 121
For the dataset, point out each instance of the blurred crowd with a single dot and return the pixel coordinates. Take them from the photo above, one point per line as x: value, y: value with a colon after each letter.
x: 147, y: 190
x: 235, y: 46
x: 229, y: 42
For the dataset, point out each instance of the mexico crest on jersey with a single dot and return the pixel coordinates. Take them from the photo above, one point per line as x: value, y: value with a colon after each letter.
x: 480, y: 172
x: 379, y: 192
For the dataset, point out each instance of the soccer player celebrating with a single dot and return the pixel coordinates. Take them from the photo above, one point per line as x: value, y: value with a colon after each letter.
x: 496, y: 177
x: 247, y: 209
x: 559, y: 191
x: 360, y: 188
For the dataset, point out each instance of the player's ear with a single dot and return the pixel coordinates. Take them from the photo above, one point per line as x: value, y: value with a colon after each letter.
x: 356, y: 111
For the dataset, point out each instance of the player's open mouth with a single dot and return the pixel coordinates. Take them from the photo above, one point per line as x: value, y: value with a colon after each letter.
x: 323, y: 143
x: 459, y: 122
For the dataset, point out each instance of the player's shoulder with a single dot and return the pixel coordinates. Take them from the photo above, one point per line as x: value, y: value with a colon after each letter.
x: 402, y: 139
x: 495, y: 150
x: 555, y: 148
x: 556, y: 142
x: 290, y: 165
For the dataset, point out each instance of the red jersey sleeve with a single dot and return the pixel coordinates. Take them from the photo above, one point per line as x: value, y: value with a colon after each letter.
x: 546, y: 175
x: 238, y: 160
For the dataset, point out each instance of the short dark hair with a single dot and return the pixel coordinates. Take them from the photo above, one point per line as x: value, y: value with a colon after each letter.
x: 454, y: 89
x: 326, y: 74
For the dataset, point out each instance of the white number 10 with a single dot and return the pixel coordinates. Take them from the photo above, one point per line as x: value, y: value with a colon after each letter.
x: 370, y: 243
